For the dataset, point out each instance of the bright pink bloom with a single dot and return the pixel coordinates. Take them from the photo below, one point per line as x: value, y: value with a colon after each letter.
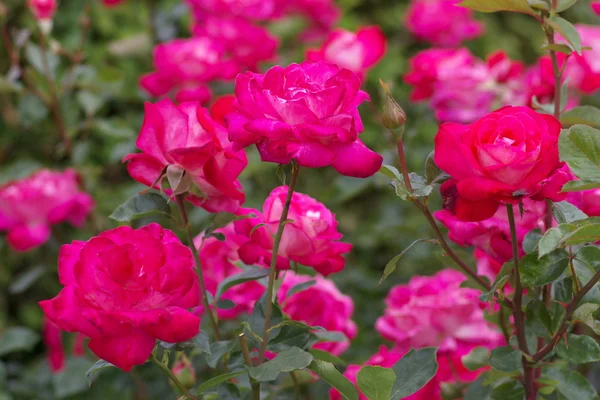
x: 307, y: 112
x: 441, y: 22
x: 124, y: 289
x: 503, y: 157
x: 30, y: 206
x: 450, y: 368
x: 596, y: 7
x: 539, y: 81
x: 586, y: 72
x: 53, y: 341
x: 436, y: 311
x: 320, y: 305
x: 492, y: 236
x: 42, y: 9
x: 185, y: 66
x: 322, y: 16
x: 587, y: 201
x: 248, y: 9
x: 312, y: 239
x: 185, y: 139
x: 112, y: 3
x: 219, y: 259
x: 356, y: 52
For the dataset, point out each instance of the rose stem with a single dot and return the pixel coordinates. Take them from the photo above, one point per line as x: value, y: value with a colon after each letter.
x: 172, y: 376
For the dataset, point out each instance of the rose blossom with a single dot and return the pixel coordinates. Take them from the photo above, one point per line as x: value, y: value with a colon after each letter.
x: 586, y: 72
x: 539, y: 81
x: 111, y: 3
x: 219, y: 259
x: 322, y: 16
x: 43, y: 9
x: 185, y: 139
x: 307, y: 112
x: 30, y: 206
x: 492, y: 235
x: 319, y: 305
x: 596, y: 7
x: 248, y: 9
x: 435, y: 311
x: 503, y: 157
x: 124, y: 289
x: 486, y: 265
x: 441, y: 22
x: 356, y: 52
x: 52, y: 335
x: 310, y: 239
x: 450, y: 369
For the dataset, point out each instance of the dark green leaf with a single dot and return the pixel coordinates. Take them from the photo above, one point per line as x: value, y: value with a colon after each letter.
x: 141, y: 205
x: 414, y: 371
x: 567, y: 31
x: 71, y: 380
x: 217, y: 380
x: 488, y: 6
x: 89, y: 102
x: 553, y: 237
x: 300, y: 287
x: 498, y: 284
x: 17, y: 339
x: 565, y: 212
x: 579, y: 349
x: 331, y: 375
x: 476, y: 358
x: 538, y: 272
x: 478, y: 391
x: 585, y: 313
x: 571, y: 384
x: 561, y: 48
x: 24, y: 281
x: 393, y: 263
x: 579, y: 146
x: 330, y: 336
x: 580, y: 185
x: 538, y: 319
x: 34, y: 57
x: 256, y: 320
x: 286, y: 361
x: 225, y: 304
x: 100, y: 364
x: 32, y: 110
x: 391, y: 172
x: 229, y: 391
x: 376, y: 382
x: 564, y: 4
x: 508, y: 391
x: 200, y: 342
x: 583, y: 234
x: 505, y: 359
x: 433, y: 174
x: 326, y: 356
x: 249, y: 274
x: 288, y: 337
x: 586, y: 115
x: 218, y: 350
x: 532, y: 238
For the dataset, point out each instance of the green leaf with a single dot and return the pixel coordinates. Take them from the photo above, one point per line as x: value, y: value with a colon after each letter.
x: 505, y: 359
x: 17, y: 339
x: 217, y: 380
x: 288, y: 337
x: 24, y: 281
x: 580, y: 185
x: 200, y: 342
x: 561, y: 48
x: 326, y: 356
x: 512, y: 390
x: 33, y: 54
x: 531, y: 240
x: 249, y: 274
x: 286, y: 361
x: 552, y: 238
x: 571, y: 384
x: 32, y: 110
x: 229, y: 391
x: 538, y: 319
x: 578, y: 349
x: 433, y: 174
x: 585, y: 115
x: 498, y: 285
x: 218, y: 350
x: 541, y: 271
x: 565, y: 212
x: 300, y: 287
x: 393, y: 263
x: 585, y: 313
x: 376, y: 382
x: 71, y: 380
x: 579, y: 146
x: 488, y: 6
x: 225, y: 304
x: 478, y: 390
x: 334, y: 378
x: 566, y: 30
x: 476, y: 358
x: 390, y: 172
x: 564, y: 4
x: 89, y: 102
x: 141, y: 205
x: 257, y: 318
x: 414, y: 371
x: 589, y: 233
x: 330, y: 336
x: 100, y: 364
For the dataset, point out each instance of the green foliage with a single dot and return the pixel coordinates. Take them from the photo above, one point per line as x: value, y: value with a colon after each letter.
x: 140, y: 206
x: 286, y: 361
x: 579, y: 146
x: 582, y: 115
x: 571, y: 384
x: 250, y: 273
x: 94, y: 369
x: 17, y: 339
x: 376, y: 382
x: 521, y: 6
x: 578, y: 349
x: 333, y: 377
x: 413, y: 371
x: 217, y: 380
x: 477, y: 358
x: 505, y: 359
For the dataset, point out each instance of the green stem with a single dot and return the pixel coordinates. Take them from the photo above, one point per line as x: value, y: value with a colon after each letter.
x: 173, y: 378
x: 184, y: 218
x: 296, y: 384
x: 273, y: 268
x: 248, y: 361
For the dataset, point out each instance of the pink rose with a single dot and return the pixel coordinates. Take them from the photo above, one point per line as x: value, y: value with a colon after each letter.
x: 219, y: 259
x: 441, y: 22
x: 436, y: 311
x: 587, y: 65
x: 42, y: 9
x: 185, y: 139
x: 322, y: 16
x: 124, y: 289
x: 248, y: 9
x: 320, y: 305
x: 492, y: 235
x: 596, y: 7
x: 539, y: 81
x: 311, y: 239
x: 307, y: 112
x: 30, y: 206
x: 502, y: 157
x: 112, y: 3
x: 52, y: 335
x: 356, y: 52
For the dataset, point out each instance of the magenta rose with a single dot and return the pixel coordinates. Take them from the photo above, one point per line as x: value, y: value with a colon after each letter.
x: 30, y: 206
x: 320, y: 305
x: 184, y: 141
x: 310, y: 239
x: 125, y: 289
x: 42, y: 10
x: 504, y: 156
x: 307, y: 112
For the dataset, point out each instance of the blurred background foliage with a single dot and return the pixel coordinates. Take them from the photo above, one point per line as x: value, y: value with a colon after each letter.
x: 98, y: 55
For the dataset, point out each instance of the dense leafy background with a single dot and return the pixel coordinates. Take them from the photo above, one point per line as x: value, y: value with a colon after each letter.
x: 104, y: 112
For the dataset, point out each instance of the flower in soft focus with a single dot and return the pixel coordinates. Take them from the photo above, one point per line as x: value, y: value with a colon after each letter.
x: 322, y: 304
x: 184, y: 67
x: 185, y: 372
x: 185, y: 145
x: 112, y: 3
x: 52, y: 335
x: 307, y: 112
x: 42, y: 9
x: 436, y: 311
x: 30, y: 206
x: 461, y: 87
x: 539, y: 81
x: 585, y: 73
x: 486, y: 265
x: 441, y: 22
x: 322, y: 16
x: 310, y: 238
x: 492, y: 236
x: 356, y: 52
x: 124, y: 289
x: 450, y: 369
x: 504, y: 156
x: 218, y: 259
x: 596, y: 7
x: 249, y: 9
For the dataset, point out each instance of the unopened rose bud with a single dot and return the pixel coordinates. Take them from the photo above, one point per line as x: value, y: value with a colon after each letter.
x: 394, y: 116
x: 42, y: 9
x: 185, y: 372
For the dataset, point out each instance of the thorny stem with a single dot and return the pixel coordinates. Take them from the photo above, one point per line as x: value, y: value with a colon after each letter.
x: 184, y: 218
x: 273, y: 268
x: 173, y: 378
x: 248, y: 361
